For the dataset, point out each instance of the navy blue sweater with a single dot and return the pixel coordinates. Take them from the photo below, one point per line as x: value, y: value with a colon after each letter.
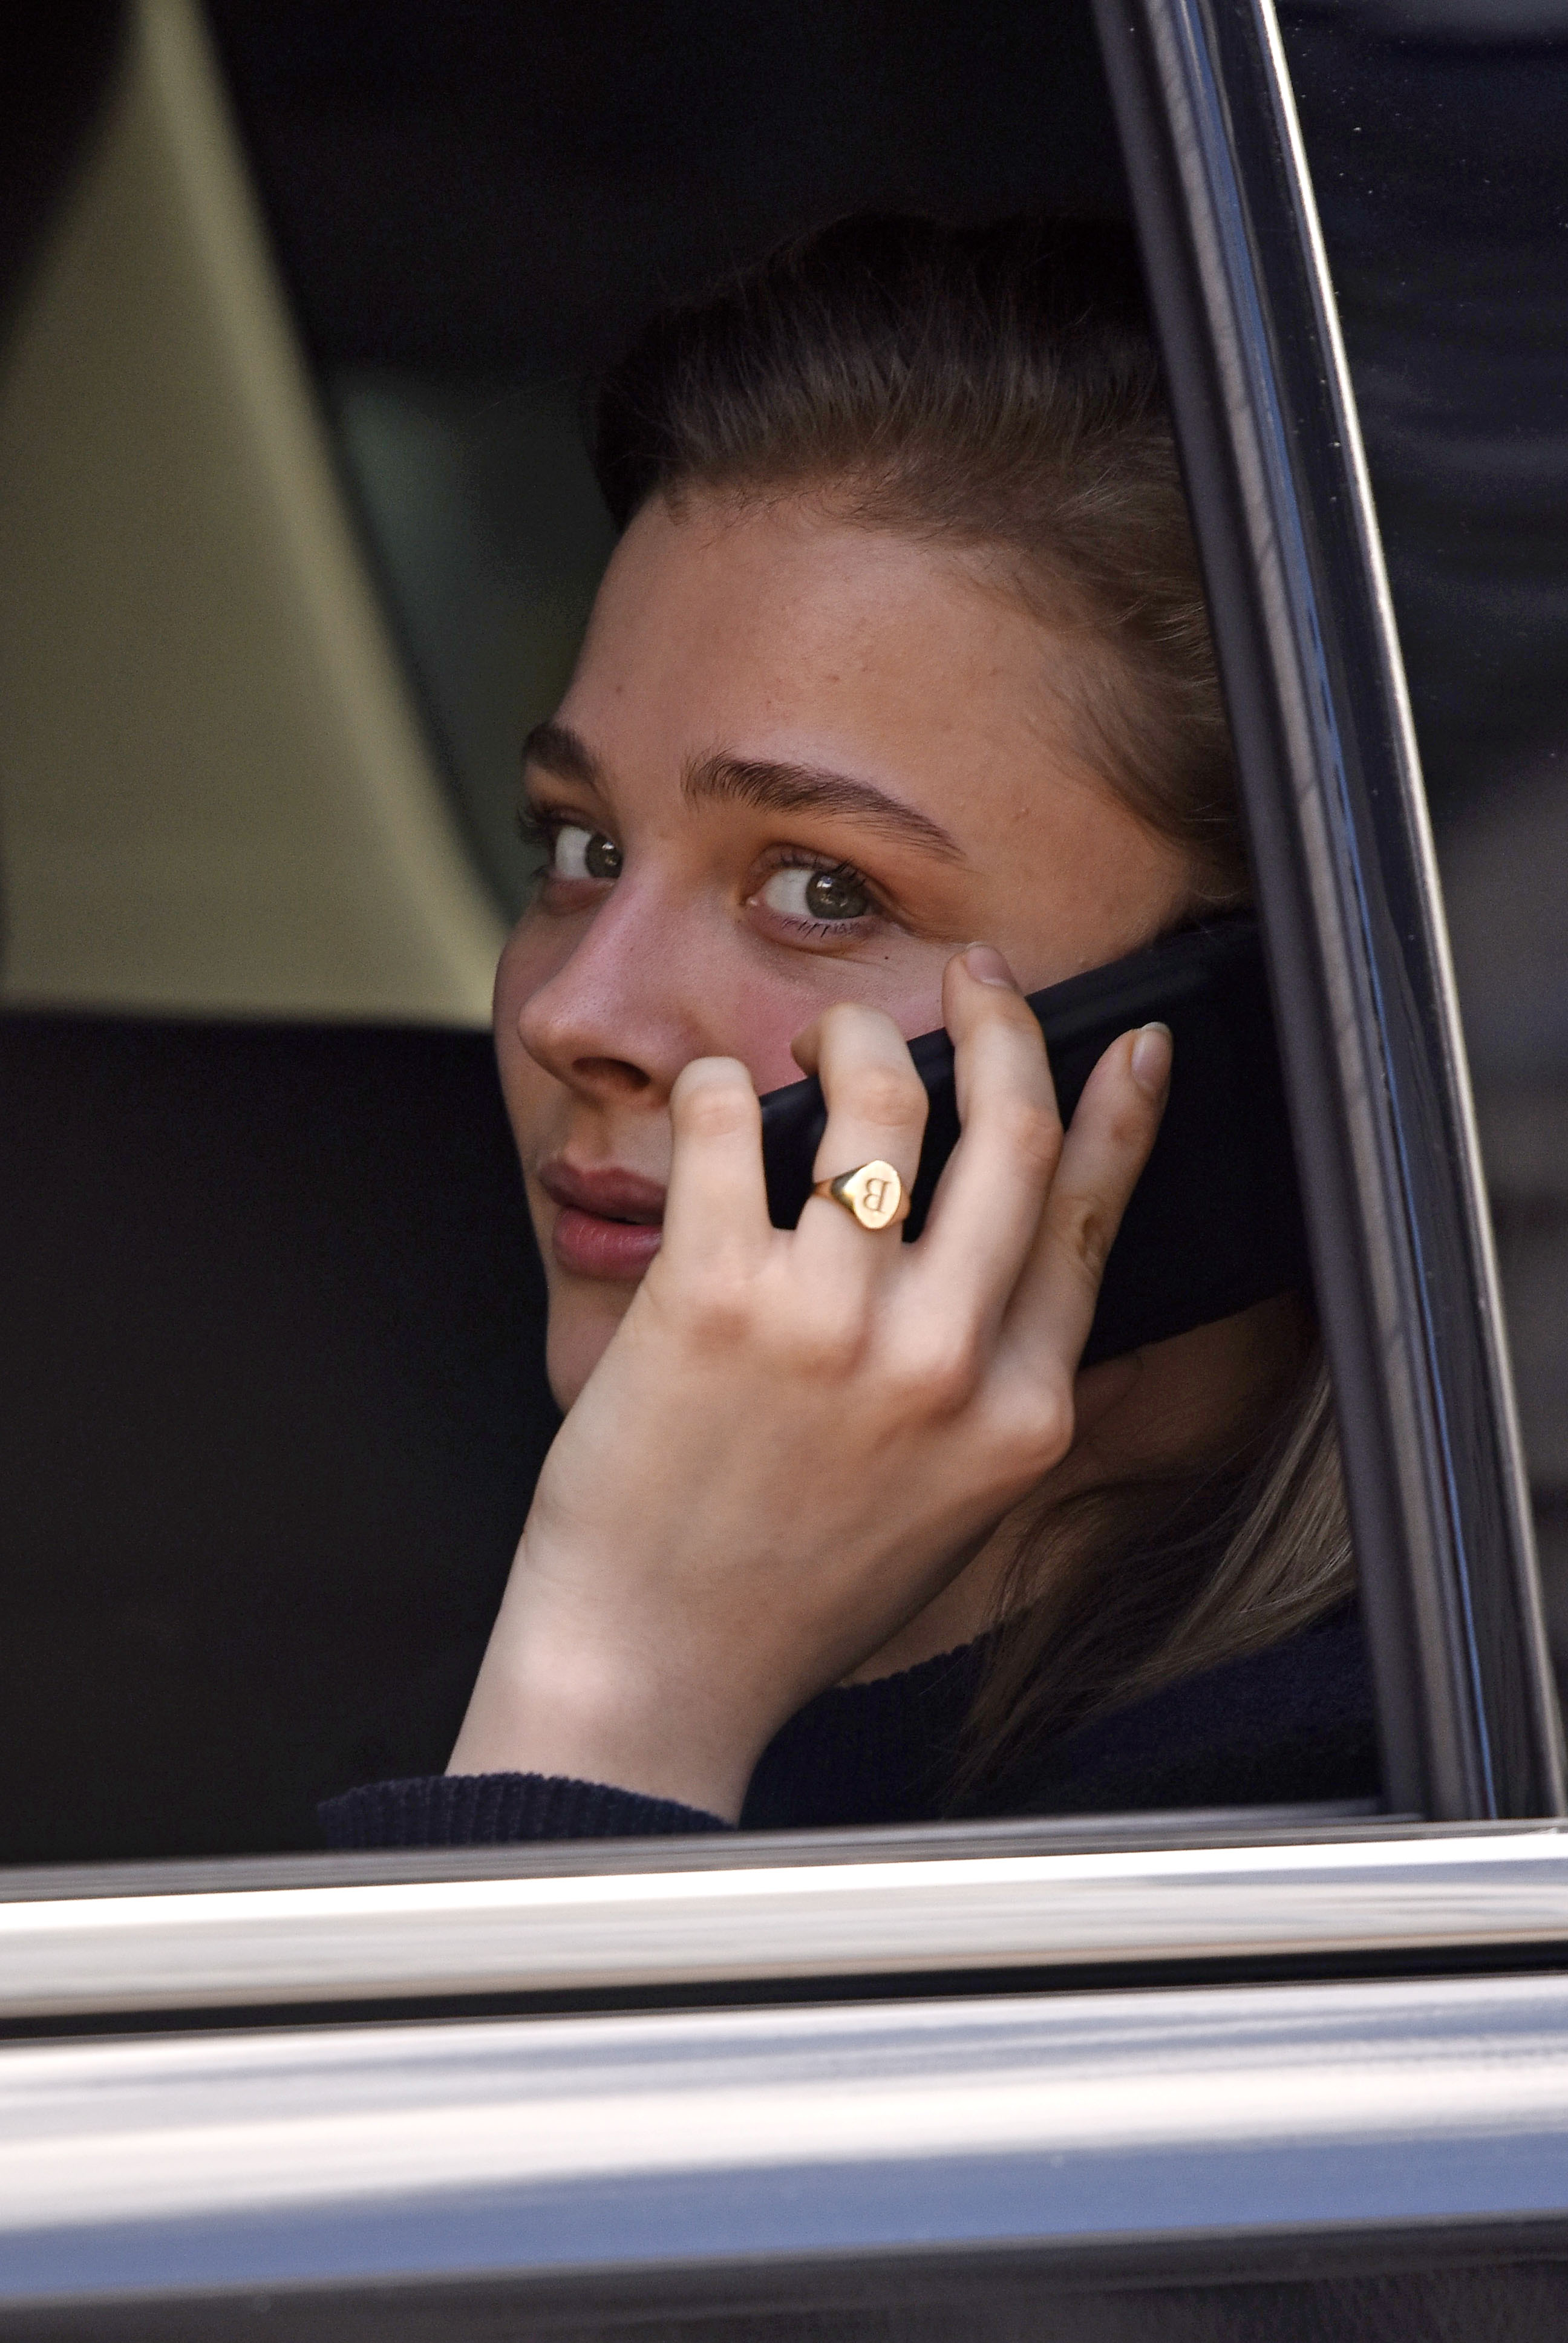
x: 1288, y: 1726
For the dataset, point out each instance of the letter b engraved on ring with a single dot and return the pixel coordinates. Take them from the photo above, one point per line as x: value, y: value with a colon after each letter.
x: 873, y: 1193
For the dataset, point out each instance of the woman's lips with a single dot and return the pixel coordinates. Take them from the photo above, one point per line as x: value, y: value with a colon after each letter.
x: 589, y: 1245
x: 609, y: 1223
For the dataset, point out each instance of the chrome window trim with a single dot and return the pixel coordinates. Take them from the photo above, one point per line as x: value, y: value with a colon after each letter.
x: 1373, y: 1056
x: 722, y: 2139
x: 1395, y: 1892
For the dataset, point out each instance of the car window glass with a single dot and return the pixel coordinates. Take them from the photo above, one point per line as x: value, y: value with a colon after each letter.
x: 1432, y: 132
x: 280, y: 1381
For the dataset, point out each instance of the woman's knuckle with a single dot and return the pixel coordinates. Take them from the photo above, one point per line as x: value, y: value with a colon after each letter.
x: 716, y: 1110
x: 1132, y: 1126
x: 1087, y: 1224
x: 828, y: 1336
x: 1033, y: 1428
x: 716, y: 1309
x: 940, y: 1368
x: 1031, y: 1130
x: 1053, y: 1419
x: 892, y: 1096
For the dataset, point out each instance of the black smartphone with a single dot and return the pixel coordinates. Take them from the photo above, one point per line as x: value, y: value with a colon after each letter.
x: 1216, y: 1222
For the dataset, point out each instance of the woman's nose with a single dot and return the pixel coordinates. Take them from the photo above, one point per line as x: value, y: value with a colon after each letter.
x: 615, y: 1021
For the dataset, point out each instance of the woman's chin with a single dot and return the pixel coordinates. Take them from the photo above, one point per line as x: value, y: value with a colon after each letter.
x: 583, y: 1321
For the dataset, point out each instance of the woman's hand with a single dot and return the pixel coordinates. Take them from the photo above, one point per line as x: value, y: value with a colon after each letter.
x: 796, y: 1439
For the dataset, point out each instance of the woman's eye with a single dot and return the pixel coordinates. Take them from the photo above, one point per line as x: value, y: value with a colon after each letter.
x: 840, y: 893
x: 579, y: 853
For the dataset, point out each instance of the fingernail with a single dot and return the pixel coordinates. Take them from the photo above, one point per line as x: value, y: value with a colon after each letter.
x: 1151, y: 1059
x: 987, y: 965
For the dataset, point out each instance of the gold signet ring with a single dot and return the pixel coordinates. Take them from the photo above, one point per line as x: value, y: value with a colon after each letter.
x: 874, y: 1193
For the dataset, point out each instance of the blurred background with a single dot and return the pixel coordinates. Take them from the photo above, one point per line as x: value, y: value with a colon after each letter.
x: 301, y: 302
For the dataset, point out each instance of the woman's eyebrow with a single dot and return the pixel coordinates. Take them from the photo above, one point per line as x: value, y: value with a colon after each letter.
x: 804, y: 788
x: 557, y: 749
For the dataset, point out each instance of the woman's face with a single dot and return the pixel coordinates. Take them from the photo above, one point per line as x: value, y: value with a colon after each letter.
x: 800, y: 763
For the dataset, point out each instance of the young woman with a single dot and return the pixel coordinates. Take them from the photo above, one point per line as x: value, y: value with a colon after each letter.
x: 902, y: 647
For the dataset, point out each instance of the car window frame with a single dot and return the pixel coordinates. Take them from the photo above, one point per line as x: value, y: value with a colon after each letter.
x: 1352, y: 911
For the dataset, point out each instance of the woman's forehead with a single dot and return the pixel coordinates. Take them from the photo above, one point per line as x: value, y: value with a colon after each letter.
x: 777, y: 632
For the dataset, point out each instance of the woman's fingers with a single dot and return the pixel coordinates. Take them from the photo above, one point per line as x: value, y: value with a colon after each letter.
x: 716, y: 1208
x: 988, y: 1206
x: 1105, y: 1150
x: 876, y: 1107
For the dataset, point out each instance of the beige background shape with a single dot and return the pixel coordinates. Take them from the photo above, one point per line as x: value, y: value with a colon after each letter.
x: 214, y: 794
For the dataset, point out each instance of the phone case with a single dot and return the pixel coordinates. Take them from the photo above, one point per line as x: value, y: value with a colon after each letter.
x: 1216, y: 1222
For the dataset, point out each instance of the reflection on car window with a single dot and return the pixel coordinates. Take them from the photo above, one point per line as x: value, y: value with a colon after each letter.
x: 1433, y: 137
